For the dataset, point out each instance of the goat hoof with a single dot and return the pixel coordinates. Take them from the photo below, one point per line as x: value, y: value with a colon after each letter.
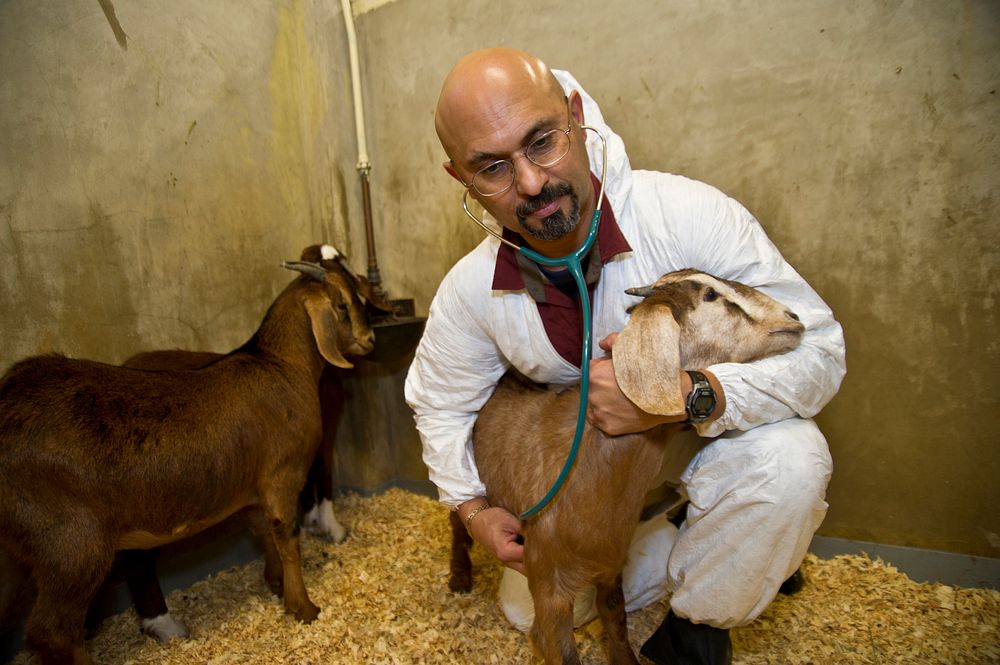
x: 276, y: 587
x: 460, y: 582
x: 82, y: 657
x: 335, y: 534
x: 322, y: 522
x: 164, y: 628
x: 307, y: 613
x: 338, y: 535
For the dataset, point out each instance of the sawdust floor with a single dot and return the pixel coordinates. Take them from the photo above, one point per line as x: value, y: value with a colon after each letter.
x: 385, y: 599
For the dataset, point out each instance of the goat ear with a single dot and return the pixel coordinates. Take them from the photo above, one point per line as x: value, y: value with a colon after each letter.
x: 324, y: 330
x: 364, y: 287
x: 647, y: 362
x: 372, y: 297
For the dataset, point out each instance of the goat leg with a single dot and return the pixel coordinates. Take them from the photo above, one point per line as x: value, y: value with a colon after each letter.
x: 274, y: 572
x: 316, y: 499
x: 320, y: 490
x: 284, y: 530
x: 461, y: 565
x: 147, y: 595
x: 54, y: 630
x: 552, y: 630
x: 611, y: 610
x: 66, y: 585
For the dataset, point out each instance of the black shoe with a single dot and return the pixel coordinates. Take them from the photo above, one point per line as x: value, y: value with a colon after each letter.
x: 793, y: 584
x: 679, y: 642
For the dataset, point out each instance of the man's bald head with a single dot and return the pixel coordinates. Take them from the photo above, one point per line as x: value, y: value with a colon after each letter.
x: 483, y: 85
x: 494, y: 106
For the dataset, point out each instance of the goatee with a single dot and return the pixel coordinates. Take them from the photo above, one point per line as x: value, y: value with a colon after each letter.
x: 559, y: 223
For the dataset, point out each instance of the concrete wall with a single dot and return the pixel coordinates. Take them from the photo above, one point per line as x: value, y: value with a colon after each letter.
x: 147, y: 194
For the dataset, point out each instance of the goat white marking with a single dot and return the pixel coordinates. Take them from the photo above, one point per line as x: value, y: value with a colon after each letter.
x: 321, y: 521
x: 165, y: 628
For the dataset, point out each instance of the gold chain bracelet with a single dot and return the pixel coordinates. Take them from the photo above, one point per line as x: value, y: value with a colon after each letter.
x: 473, y: 513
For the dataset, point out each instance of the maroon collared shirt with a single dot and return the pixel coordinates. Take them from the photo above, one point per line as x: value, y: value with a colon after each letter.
x: 561, y: 313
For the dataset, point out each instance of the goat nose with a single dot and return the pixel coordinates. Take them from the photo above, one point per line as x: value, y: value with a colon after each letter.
x: 792, y: 315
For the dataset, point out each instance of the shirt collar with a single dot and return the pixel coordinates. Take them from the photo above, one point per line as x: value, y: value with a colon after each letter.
x: 514, y: 271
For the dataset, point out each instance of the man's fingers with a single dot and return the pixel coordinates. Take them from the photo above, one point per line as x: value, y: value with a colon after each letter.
x: 518, y: 566
x: 608, y: 342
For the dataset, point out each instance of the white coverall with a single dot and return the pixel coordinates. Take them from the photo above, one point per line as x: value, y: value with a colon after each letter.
x: 757, y: 487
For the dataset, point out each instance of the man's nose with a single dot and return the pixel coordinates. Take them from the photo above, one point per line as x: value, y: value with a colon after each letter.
x: 529, y: 178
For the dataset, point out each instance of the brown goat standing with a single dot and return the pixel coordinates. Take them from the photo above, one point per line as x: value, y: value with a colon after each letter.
x: 96, y: 458
x: 139, y: 566
x: 316, y: 498
x: 524, y: 431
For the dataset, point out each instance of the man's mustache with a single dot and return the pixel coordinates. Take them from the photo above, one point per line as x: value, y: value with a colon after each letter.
x: 548, y: 194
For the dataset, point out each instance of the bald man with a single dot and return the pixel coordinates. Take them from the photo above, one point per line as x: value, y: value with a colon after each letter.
x: 513, y: 133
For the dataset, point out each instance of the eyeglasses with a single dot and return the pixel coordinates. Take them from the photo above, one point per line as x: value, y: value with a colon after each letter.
x: 497, y: 177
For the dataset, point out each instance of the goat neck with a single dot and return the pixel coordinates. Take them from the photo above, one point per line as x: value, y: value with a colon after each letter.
x: 285, y: 333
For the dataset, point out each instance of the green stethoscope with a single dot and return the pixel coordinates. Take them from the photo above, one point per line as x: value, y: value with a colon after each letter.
x: 572, y: 262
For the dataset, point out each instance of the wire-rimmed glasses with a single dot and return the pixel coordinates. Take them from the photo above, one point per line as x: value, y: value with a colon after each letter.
x: 545, y: 151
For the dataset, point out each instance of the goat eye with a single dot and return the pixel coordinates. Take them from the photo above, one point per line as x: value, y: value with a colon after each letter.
x: 710, y: 295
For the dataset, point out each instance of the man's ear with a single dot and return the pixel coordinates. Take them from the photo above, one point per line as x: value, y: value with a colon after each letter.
x: 450, y: 168
x: 576, y: 107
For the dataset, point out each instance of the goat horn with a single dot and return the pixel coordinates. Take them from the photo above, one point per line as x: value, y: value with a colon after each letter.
x: 307, y: 268
x: 642, y: 291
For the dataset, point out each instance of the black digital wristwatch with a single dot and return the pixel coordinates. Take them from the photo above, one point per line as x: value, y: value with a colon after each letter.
x: 701, y: 400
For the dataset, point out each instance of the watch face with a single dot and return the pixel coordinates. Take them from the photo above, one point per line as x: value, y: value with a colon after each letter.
x: 704, y: 402
x: 701, y: 401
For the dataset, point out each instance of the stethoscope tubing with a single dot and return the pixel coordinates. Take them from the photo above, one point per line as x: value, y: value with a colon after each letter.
x: 572, y: 262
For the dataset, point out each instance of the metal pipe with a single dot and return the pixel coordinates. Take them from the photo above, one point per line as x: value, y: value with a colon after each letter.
x: 366, y: 199
x: 363, y: 166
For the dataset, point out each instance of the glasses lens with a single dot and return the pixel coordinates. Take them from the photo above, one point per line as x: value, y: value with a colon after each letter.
x: 548, y: 148
x: 494, y: 178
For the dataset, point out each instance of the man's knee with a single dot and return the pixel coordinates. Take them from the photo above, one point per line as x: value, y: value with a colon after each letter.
x: 757, y: 498
x: 786, y: 464
x: 802, y: 466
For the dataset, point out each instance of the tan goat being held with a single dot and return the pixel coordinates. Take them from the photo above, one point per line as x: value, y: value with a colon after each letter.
x: 96, y: 458
x: 687, y: 319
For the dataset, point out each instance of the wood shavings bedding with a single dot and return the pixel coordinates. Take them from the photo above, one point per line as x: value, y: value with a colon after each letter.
x: 385, y: 599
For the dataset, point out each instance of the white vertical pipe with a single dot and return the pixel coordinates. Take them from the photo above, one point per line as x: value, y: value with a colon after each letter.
x: 359, y: 107
x: 363, y: 166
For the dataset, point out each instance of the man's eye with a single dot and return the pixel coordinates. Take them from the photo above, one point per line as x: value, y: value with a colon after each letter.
x: 542, y: 144
x: 494, y: 169
x: 543, y: 141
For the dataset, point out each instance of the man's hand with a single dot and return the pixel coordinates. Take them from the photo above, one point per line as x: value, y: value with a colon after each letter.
x: 609, y: 410
x: 497, y: 530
